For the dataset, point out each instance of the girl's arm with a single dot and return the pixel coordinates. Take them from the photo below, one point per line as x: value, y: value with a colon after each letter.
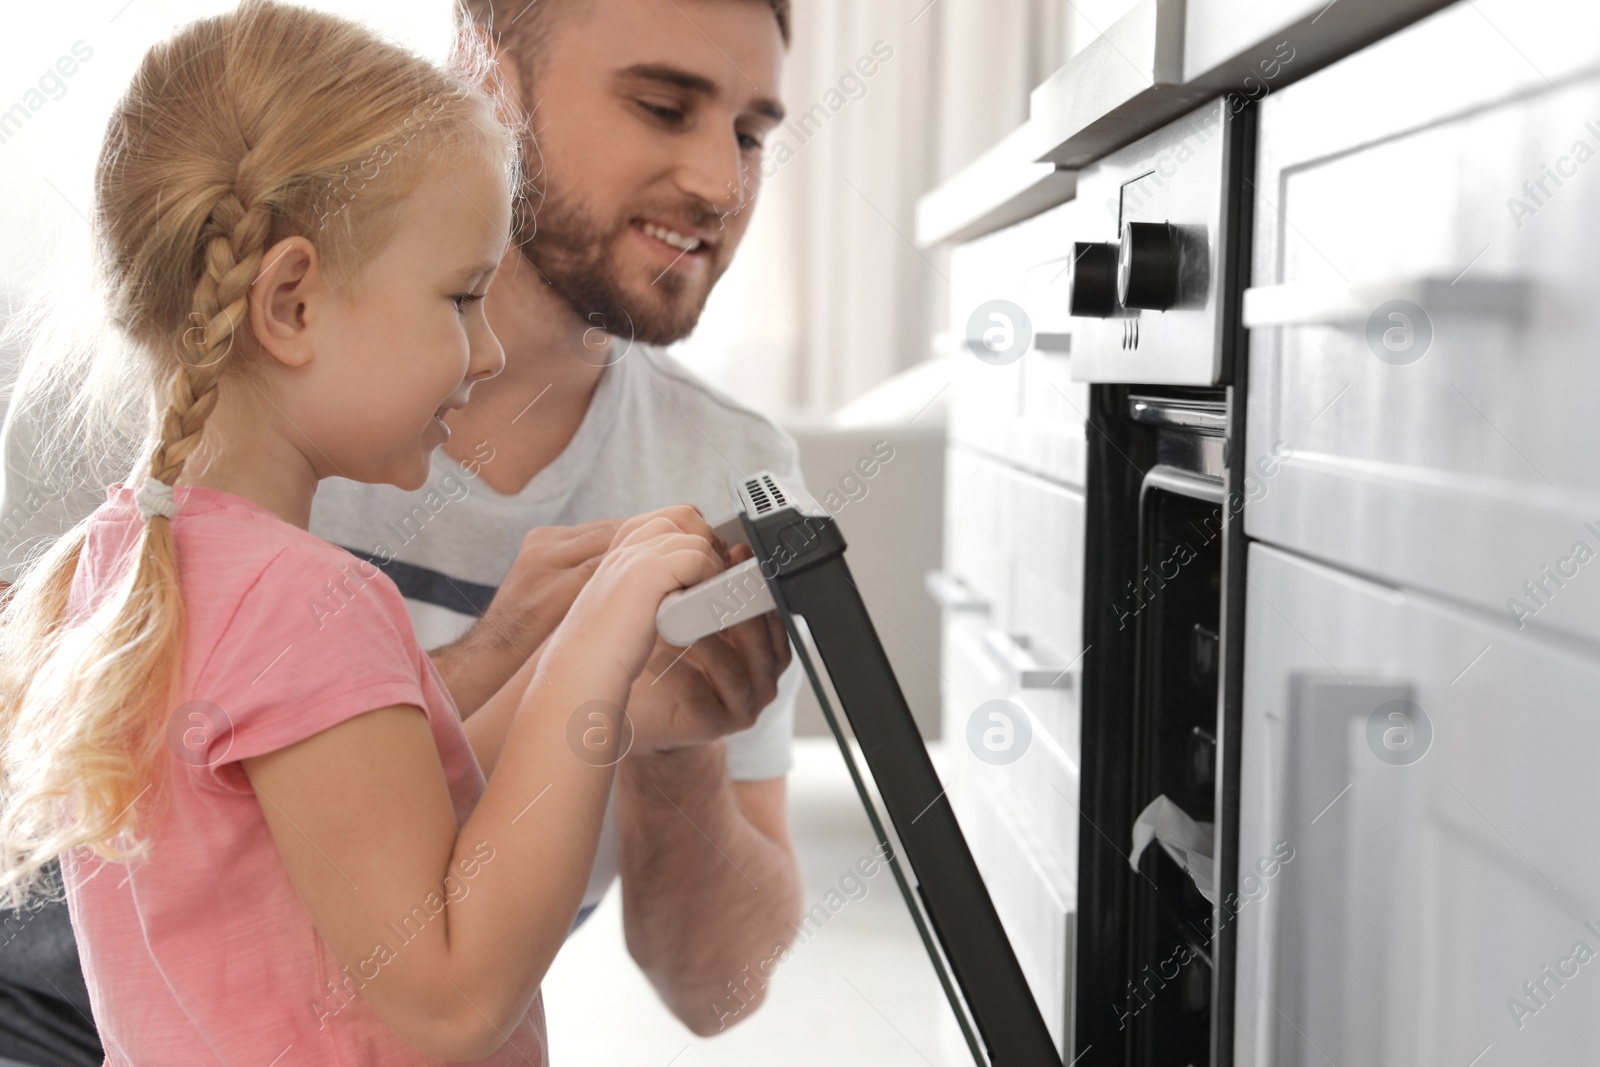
x: 488, y: 726
x: 451, y: 929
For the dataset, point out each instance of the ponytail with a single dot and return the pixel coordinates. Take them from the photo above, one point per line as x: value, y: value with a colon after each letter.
x: 229, y: 138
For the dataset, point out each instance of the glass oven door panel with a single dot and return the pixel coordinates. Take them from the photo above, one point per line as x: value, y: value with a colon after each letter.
x: 1176, y: 610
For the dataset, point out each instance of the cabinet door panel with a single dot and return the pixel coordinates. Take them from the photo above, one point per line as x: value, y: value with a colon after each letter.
x: 1438, y: 858
x: 1036, y: 900
x: 1423, y: 312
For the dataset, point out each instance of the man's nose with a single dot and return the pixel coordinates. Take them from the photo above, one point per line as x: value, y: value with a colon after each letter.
x: 713, y: 171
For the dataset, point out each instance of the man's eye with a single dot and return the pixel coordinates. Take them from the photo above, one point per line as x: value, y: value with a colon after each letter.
x: 665, y: 114
x: 749, y: 143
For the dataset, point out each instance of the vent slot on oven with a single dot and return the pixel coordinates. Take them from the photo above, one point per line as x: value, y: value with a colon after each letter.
x: 765, y: 494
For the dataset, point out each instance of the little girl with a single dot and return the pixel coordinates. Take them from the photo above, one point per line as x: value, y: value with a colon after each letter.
x: 277, y: 843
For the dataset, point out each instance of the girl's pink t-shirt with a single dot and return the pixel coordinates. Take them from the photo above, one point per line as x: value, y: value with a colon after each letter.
x: 202, y: 952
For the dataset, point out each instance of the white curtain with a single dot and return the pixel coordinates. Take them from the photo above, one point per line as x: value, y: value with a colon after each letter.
x: 828, y: 297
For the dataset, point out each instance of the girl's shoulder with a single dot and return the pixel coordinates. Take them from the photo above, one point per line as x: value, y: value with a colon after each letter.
x: 243, y: 568
x: 299, y: 638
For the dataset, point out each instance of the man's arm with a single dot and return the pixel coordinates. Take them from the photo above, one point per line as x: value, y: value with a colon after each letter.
x: 551, y: 567
x: 477, y: 666
x: 710, y: 886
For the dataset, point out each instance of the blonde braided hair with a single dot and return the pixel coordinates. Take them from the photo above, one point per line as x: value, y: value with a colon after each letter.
x: 221, y: 301
x: 226, y: 142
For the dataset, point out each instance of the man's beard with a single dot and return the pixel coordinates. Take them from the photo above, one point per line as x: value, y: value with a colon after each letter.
x: 571, y: 251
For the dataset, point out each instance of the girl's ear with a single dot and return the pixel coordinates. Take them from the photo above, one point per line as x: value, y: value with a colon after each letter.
x: 290, y: 278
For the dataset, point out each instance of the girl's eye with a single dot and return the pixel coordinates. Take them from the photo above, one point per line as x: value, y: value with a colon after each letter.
x: 749, y: 143
x: 465, y: 298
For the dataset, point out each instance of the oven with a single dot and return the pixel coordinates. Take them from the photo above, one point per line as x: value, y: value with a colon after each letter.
x: 1154, y: 290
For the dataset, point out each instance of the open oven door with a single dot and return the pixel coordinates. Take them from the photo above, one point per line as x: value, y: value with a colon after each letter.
x: 798, y: 568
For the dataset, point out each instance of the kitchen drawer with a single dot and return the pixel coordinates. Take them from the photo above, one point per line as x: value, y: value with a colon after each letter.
x: 1440, y: 860
x: 1044, y: 620
x: 976, y: 538
x: 985, y: 402
x: 985, y: 397
x: 1048, y: 436
x: 1036, y: 900
x: 1026, y: 411
x: 971, y: 676
x: 1038, y: 790
x: 1014, y: 566
x: 1450, y: 447
x: 1044, y: 545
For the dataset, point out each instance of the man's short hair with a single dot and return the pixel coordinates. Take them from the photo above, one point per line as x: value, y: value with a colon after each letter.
x: 523, y: 27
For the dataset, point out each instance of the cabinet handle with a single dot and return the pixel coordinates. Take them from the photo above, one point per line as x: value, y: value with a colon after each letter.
x: 1317, y: 304
x: 1016, y: 654
x: 1053, y: 343
x: 951, y: 593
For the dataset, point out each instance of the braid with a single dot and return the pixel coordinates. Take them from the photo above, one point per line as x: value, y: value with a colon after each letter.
x: 234, y: 241
x: 223, y: 141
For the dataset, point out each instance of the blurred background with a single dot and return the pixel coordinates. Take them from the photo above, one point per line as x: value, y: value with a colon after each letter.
x: 830, y: 320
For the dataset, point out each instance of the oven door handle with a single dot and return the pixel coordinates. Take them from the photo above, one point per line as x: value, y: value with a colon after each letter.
x: 736, y: 595
x: 1016, y: 655
x: 1320, y: 304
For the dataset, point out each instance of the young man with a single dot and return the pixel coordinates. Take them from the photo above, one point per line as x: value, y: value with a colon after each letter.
x: 648, y: 117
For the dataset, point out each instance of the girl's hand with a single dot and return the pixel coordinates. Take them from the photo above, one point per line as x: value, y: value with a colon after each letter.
x: 613, y: 620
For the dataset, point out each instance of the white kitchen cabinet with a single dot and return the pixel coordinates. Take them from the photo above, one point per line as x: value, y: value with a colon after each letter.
x: 1011, y: 598
x: 1423, y: 314
x: 975, y: 563
x: 1035, y: 896
x: 1013, y: 588
x: 1427, y: 884
x: 1026, y: 411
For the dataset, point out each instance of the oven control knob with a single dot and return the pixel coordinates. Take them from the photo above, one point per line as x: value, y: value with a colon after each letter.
x: 1147, y: 268
x: 1093, y: 281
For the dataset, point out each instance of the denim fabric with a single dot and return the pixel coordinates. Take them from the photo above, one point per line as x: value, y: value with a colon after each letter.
x: 44, y: 1004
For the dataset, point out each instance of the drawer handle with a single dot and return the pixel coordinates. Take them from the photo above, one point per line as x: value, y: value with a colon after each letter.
x: 1315, y: 304
x: 1016, y: 654
x: 951, y: 593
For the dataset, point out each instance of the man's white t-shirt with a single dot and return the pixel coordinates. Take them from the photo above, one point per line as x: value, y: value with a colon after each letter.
x: 654, y: 435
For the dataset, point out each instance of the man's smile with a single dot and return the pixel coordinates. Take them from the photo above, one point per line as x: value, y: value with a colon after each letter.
x: 679, y: 247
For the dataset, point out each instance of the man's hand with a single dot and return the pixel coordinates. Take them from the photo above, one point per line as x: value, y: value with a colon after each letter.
x: 717, y: 686
x: 551, y: 567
